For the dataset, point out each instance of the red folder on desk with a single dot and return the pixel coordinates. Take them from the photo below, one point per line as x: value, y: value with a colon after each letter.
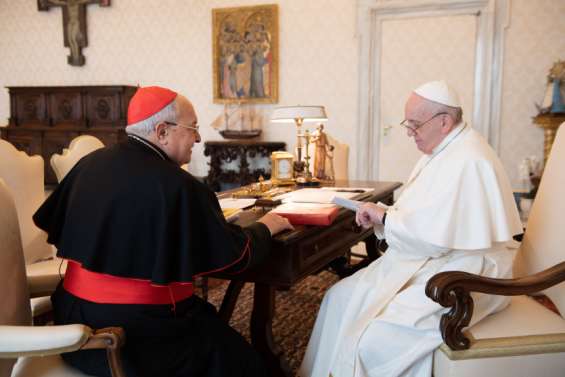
x: 299, y: 213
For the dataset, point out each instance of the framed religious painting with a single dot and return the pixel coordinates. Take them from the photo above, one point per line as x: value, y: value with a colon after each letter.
x: 246, y: 54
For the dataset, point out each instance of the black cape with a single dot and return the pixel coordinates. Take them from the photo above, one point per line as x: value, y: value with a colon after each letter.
x: 129, y: 211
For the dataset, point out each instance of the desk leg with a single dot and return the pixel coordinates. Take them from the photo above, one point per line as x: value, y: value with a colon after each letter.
x: 262, y: 331
x: 342, y: 266
x: 230, y: 299
x: 371, y: 243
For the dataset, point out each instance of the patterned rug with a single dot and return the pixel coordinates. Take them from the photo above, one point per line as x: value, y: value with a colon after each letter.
x: 296, y: 311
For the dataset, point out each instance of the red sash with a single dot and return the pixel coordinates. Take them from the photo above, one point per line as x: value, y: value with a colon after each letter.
x: 108, y: 289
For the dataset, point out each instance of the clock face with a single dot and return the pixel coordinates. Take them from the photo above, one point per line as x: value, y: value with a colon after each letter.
x: 285, y: 169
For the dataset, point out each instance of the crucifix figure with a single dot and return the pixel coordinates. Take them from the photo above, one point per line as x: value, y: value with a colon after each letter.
x: 74, y: 24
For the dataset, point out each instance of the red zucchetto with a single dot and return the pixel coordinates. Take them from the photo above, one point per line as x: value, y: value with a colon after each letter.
x: 147, y: 102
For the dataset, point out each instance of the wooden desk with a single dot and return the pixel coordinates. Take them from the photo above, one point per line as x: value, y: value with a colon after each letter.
x: 296, y: 254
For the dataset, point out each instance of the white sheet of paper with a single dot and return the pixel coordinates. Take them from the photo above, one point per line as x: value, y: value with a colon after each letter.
x: 236, y: 203
x: 347, y: 203
x: 315, y: 195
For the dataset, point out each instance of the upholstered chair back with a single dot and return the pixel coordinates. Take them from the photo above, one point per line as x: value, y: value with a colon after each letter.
x: 24, y: 177
x: 544, y: 239
x: 341, y: 158
x: 78, y: 148
x: 14, y: 296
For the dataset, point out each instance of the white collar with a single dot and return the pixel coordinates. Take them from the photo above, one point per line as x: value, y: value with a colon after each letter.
x: 459, y: 128
x: 448, y: 139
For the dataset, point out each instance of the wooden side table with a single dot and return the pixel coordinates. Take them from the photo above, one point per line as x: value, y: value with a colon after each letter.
x: 550, y: 123
x: 228, y: 151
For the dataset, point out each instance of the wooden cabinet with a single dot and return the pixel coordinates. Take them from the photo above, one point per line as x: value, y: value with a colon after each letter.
x: 44, y: 120
x: 242, y: 151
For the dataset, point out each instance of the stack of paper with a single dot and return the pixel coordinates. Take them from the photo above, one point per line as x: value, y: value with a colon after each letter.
x: 315, y: 206
x: 308, y: 213
x: 236, y: 203
x: 232, y: 207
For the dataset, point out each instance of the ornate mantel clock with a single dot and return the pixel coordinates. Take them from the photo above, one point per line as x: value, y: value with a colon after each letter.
x: 282, y: 168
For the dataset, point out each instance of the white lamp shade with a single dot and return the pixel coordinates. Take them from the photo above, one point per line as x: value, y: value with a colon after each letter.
x: 288, y: 114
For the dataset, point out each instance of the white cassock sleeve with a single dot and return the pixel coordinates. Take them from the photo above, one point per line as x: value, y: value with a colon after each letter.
x: 398, y: 236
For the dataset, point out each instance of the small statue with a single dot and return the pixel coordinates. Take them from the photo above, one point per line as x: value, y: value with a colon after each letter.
x: 261, y: 184
x: 324, y: 152
x: 553, y: 101
x: 557, y: 76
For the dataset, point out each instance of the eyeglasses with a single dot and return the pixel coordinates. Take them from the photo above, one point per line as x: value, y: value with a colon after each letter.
x: 194, y: 128
x: 410, y: 125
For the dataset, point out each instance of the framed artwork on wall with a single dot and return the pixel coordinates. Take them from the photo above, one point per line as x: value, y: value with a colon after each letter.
x: 246, y: 54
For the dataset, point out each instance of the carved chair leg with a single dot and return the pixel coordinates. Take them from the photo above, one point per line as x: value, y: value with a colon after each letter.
x: 111, y: 339
x: 115, y: 362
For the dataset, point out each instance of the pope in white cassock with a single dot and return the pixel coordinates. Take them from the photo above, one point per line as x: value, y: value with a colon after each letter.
x: 456, y: 213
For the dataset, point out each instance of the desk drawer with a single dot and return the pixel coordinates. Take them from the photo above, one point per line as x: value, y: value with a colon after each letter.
x: 329, y: 244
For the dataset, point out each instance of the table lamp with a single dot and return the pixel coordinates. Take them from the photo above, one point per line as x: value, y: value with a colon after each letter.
x: 300, y: 114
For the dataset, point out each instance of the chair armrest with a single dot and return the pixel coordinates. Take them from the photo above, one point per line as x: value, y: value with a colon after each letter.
x: 42, y: 285
x: 18, y: 341
x: 453, y: 289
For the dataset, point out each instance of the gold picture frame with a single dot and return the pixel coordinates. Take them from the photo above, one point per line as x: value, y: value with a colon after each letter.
x: 246, y: 54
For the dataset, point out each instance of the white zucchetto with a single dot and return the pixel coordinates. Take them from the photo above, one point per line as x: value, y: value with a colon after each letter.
x: 440, y: 92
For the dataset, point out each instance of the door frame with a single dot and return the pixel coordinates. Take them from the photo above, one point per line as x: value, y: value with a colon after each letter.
x: 492, y: 21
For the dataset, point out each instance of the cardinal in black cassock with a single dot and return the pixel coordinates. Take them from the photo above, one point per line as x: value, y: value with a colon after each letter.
x: 136, y: 230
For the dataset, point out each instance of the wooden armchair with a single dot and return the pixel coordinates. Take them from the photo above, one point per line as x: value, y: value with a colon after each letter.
x: 25, y: 350
x: 526, y: 338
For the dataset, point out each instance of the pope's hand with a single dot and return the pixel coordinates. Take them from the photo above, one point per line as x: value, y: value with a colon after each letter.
x: 275, y: 223
x: 369, y: 215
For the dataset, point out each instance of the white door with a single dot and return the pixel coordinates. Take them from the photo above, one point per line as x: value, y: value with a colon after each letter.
x: 414, y: 51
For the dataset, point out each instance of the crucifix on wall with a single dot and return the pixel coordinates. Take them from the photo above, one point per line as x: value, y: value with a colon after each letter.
x: 74, y: 24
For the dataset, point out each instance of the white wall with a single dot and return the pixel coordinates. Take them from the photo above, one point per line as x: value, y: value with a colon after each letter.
x: 168, y: 42
x: 535, y: 39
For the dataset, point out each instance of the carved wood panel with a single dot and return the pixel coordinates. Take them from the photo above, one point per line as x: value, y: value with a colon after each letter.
x: 102, y: 109
x: 107, y: 137
x: 65, y: 109
x: 30, y: 109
